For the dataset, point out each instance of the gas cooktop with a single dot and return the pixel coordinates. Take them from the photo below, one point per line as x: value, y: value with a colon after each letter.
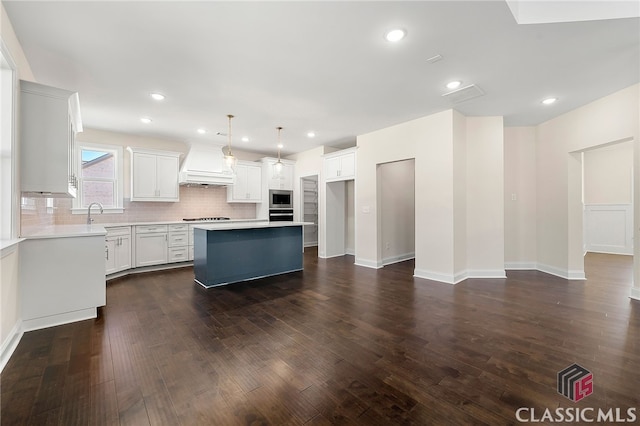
x: 205, y: 219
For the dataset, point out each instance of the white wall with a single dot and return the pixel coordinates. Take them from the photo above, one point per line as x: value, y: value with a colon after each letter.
x: 402, y: 142
x: 559, y: 206
x: 608, y: 172
x: 485, y: 197
x: 520, y: 198
x: 13, y: 46
x: 397, y: 210
x: 446, y: 171
x: 10, y: 302
x: 460, y: 196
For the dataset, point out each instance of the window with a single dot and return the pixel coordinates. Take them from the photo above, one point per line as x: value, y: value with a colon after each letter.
x: 99, y: 177
x: 8, y: 190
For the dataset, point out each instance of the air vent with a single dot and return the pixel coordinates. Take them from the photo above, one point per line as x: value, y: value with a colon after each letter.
x: 434, y: 59
x: 464, y: 94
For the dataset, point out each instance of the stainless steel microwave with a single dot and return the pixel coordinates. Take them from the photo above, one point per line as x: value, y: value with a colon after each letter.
x: 280, y: 199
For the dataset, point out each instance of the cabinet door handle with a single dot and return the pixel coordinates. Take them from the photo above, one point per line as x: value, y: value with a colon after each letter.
x: 106, y: 250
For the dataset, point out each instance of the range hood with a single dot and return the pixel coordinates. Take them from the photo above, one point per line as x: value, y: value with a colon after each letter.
x: 204, y: 165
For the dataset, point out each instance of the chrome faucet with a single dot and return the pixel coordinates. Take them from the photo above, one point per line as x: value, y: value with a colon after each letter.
x: 89, y: 220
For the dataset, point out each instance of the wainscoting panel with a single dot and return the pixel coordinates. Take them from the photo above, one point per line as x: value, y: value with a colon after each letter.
x: 608, y: 228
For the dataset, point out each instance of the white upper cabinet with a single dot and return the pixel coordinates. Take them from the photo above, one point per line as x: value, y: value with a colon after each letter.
x: 248, y: 184
x: 340, y: 165
x: 154, y: 175
x: 283, y: 180
x: 49, y: 121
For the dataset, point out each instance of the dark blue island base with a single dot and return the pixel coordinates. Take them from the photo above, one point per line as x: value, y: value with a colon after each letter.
x: 225, y: 255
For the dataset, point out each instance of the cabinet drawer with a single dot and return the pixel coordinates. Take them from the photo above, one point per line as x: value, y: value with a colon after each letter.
x: 146, y: 229
x: 118, y: 231
x: 178, y: 239
x: 178, y: 228
x: 178, y: 254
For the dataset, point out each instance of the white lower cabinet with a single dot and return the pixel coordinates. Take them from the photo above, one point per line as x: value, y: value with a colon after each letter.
x: 178, y: 243
x: 151, y: 245
x: 117, y: 252
x: 136, y: 246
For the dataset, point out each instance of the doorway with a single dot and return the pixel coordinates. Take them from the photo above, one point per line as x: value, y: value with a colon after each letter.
x: 339, y: 218
x: 396, y: 195
x: 607, y: 187
x: 601, y: 203
x: 309, y: 208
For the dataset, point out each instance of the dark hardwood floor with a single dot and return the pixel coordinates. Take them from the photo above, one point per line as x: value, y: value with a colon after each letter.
x: 335, y: 344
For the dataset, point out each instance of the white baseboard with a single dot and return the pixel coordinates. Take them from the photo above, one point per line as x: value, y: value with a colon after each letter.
x: 460, y: 275
x: 351, y: 252
x: 59, y: 319
x: 562, y: 273
x: 520, y: 266
x: 10, y: 344
x: 396, y: 259
x: 486, y: 273
x: 624, y: 251
x: 368, y: 263
x: 635, y: 293
x: 435, y: 276
x: 332, y: 256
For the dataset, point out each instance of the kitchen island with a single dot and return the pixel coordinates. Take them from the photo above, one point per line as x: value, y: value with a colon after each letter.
x: 226, y: 253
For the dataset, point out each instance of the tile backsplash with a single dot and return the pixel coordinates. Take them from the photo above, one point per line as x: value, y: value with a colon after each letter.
x: 37, y: 213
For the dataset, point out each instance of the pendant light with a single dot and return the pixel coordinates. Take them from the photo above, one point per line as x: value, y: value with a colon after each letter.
x: 278, y: 166
x: 229, y: 159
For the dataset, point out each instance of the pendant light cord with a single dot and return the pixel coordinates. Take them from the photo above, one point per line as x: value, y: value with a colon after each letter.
x: 229, y: 154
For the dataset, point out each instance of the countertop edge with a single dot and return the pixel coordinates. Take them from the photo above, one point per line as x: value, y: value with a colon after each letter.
x: 5, y: 245
x: 261, y: 224
x: 68, y: 231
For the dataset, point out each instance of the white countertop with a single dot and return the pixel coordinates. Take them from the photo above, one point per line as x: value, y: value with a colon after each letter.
x: 221, y: 226
x: 67, y: 231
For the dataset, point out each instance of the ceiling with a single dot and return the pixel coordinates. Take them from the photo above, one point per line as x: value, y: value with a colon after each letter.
x: 321, y: 66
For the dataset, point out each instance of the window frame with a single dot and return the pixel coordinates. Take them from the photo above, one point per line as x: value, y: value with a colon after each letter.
x: 118, y: 154
x: 10, y: 193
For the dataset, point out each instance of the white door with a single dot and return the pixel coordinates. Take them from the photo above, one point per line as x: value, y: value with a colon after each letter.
x: 144, y: 175
x: 167, y: 176
x: 123, y: 253
x: 110, y: 255
x: 151, y: 249
x: 254, y: 183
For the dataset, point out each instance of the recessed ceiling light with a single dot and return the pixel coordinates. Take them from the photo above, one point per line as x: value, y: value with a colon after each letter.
x: 145, y: 120
x: 245, y: 139
x: 157, y: 96
x: 453, y: 84
x: 202, y: 131
x: 395, y: 35
x: 549, y: 101
x: 280, y: 146
x: 311, y: 134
